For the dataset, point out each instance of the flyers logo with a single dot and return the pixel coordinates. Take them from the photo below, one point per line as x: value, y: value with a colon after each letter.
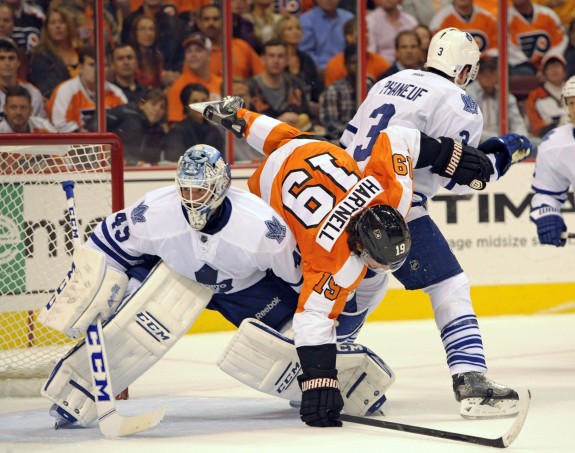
x: 532, y: 43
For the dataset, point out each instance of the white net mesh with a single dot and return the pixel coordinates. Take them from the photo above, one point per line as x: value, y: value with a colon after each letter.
x: 36, y: 243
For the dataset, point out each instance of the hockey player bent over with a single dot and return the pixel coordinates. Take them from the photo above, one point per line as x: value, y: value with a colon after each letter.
x: 318, y: 190
x: 434, y: 102
x: 554, y: 173
x: 208, y: 245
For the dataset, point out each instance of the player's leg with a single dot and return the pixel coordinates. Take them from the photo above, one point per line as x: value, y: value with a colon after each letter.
x: 432, y: 266
x: 146, y: 326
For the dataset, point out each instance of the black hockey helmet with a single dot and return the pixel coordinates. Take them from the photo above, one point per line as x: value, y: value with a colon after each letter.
x: 385, y: 238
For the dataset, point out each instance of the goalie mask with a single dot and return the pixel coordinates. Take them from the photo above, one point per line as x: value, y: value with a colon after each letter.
x: 450, y: 51
x: 383, y: 238
x: 202, y: 179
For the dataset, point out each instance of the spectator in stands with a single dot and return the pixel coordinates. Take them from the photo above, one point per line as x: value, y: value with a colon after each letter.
x: 9, y: 77
x: 570, y: 51
x: 423, y: 10
x: 265, y: 20
x: 485, y: 91
x: 171, y: 31
x: 425, y: 35
x: 276, y: 93
x: 565, y: 9
x: 82, y: 12
x: 141, y: 127
x: 300, y: 64
x: 323, y: 31
x: 336, y: 69
x: 466, y: 16
x: 28, y: 22
x: 71, y: 106
x: 18, y: 116
x: 383, y: 25
x: 544, y: 107
x: 339, y: 104
x: 242, y: 151
x: 407, y: 52
x: 534, y: 31
x: 194, y: 129
x: 124, y: 66
x: 245, y: 61
x: 144, y: 39
x: 7, y: 22
x: 56, y: 58
x: 241, y: 27
x: 198, y: 51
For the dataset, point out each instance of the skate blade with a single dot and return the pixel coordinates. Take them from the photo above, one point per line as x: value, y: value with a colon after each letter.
x: 479, y: 409
x: 201, y: 106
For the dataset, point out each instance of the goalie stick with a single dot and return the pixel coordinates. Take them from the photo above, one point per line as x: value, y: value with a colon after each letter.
x: 500, y: 442
x: 568, y: 235
x: 110, y: 422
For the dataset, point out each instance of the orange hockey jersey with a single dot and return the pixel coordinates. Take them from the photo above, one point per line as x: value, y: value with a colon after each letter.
x: 543, y: 34
x: 317, y: 187
x: 481, y: 25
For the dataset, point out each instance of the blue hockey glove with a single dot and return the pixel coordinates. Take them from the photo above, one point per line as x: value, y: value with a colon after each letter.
x: 550, y: 225
x: 508, y: 149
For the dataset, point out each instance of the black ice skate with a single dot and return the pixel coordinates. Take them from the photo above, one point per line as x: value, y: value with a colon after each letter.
x: 481, y: 398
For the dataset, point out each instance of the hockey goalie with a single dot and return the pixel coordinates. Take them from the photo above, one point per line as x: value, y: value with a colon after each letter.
x: 149, y: 270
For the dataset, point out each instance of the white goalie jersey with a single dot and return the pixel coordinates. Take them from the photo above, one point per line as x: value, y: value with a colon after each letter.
x: 419, y: 100
x: 247, y: 240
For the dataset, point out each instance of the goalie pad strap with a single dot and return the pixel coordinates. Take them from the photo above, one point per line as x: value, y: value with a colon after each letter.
x: 89, y: 289
x: 267, y: 361
x: 150, y: 322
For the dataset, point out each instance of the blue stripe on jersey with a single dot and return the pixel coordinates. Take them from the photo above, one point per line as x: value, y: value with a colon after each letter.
x: 450, y: 185
x: 351, y: 129
x: 115, y: 245
x: 458, y: 322
x: 108, y: 251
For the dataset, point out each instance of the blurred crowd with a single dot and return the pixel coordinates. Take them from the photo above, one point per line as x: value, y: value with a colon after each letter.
x: 294, y: 60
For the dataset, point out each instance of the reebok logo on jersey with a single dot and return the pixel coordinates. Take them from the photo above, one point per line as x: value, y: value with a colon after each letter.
x: 357, y: 198
x: 269, y: 307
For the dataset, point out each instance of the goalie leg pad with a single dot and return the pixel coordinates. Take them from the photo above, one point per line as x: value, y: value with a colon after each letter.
x: 143, y: 330
x: 267, y: 361
x: 89, y: 289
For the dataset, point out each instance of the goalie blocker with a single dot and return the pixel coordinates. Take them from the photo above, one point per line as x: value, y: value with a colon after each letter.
x: 267, y: 361
x: 148, y: 324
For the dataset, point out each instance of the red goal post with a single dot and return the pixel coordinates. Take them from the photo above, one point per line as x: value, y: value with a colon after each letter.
x: 35, y: 238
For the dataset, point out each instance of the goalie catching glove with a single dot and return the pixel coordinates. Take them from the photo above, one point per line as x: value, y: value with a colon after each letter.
x: 464, y: 164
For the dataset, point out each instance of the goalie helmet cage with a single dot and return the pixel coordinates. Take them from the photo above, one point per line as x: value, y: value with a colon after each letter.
x: 35, y: 239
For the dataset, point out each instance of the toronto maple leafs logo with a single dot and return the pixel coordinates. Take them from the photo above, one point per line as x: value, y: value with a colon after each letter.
x: 275, y: 230
x: 208, y: 276
x: 469, y: 104
x: 137, y: 214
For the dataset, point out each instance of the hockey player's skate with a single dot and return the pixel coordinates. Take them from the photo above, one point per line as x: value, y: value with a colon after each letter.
x: 223, y: 113
x: 481, y: 398
x: 62, y: 418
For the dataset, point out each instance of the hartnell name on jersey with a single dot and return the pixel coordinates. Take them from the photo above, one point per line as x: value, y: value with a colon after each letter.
x: 358, y: 198
x: 403, y: 90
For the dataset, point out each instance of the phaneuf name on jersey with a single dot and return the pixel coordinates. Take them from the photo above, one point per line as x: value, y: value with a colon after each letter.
x: 403, y: 90
x: 358, y: 198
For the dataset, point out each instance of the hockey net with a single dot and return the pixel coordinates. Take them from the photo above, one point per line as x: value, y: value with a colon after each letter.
x: 36, y: 243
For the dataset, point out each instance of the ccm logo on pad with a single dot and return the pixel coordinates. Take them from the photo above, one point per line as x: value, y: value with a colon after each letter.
x: 153, y: 327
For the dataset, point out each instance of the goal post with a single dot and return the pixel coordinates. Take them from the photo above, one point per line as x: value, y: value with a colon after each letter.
x: 35, y: 238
